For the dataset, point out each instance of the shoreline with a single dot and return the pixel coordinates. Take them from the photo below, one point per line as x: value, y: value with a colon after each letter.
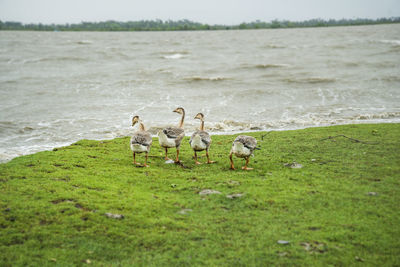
x: 188, y: 134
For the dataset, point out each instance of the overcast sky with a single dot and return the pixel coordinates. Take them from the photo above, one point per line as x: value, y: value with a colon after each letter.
x: 226, y: 12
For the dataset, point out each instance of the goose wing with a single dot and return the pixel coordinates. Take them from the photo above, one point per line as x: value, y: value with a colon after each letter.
x: 173, y: 132
x: 205, y: 137
x: 248, y: 141
x: 142, y: 138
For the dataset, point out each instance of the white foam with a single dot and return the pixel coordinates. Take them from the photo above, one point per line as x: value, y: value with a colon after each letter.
x: 174, y: 56
x: 392, y: 42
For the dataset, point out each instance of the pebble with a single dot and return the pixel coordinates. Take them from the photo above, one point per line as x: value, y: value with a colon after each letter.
x: 114, y: 216
x: 185, y: 211
x: 283, y: 242
x: 294, y: 165
x: 206, y: 192
x: 232, y: 196
x: 232, y: 182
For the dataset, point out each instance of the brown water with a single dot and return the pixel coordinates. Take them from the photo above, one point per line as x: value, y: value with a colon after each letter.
x: 59, y: 87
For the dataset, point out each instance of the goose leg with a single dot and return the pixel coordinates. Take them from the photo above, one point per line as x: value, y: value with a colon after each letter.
x: 166, y: 154
x: 134, y: 159
x: 177, y: 156
x: 208, y: 158
x: 230, y: 157
x: 195, y: 158
x: 245, y: 165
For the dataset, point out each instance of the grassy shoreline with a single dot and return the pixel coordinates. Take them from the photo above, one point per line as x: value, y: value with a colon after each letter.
x: 340, y: 207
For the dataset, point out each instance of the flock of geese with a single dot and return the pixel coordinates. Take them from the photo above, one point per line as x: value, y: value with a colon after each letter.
x: 171, y: 137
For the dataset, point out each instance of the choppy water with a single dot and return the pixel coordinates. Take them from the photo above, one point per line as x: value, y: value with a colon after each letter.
x: 59, y: 87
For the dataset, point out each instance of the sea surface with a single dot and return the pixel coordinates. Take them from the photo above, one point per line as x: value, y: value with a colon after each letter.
x: 60, y: 87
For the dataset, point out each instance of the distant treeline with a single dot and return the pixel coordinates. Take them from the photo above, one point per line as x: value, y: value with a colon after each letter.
x: 187, y: 25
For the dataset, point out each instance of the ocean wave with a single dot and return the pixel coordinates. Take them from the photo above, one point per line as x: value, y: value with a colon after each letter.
x: 207, y: 79
x: 309, y: 120
x: 336, y: 46
x: 54, y: 59
x: 379, y: 116
x: 165, y: 71
x: 139, y: 43
x: 310, y: 80
x: 84, y: 42
x: 8, y: 127
x: 269, y: 66
x: 392, y: 42
x: 173, y: 56
x: 352, y: 64
x: 264, y: 66
x: 388, y: 79
x: 247, y: 94
x: 173, y: 52
x: 273, y: 46
x: 8, y: 154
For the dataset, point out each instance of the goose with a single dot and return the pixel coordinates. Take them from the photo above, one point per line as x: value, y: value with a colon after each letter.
x: 243, y: 147
x: 200, y: 140
x: 172, y: 136
x: 140, y: 141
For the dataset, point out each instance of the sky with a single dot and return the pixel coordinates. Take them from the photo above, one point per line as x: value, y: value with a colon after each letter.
x: 227, y: 12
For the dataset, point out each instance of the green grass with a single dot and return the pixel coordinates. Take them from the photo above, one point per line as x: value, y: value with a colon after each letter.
x: 53, y: 203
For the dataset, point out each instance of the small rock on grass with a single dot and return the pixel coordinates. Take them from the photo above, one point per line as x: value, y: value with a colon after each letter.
x: 283, y: 254
x: 294, y: 165
x: 232, y: 182
x: 232, y: 196
x: 283, y: 242
x: 185, y: 211
x: 206, y: 192
x: 314, y: 247
x: 114, y: 216
x: 358, y: 259
x: 372, y: 193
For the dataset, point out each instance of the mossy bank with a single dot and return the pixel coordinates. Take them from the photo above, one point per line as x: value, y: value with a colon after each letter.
x: 318, y: 196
